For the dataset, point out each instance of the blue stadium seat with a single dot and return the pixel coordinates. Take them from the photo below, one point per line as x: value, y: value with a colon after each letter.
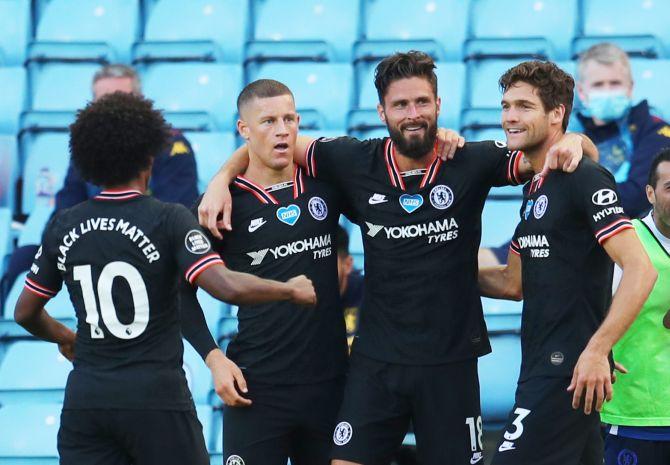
x: 59, y: 307
x: 473, y: 135
x: 8, y: 170
x: 46, y: 157
x: 15, y: 31
x: 14, y: 97
x: 499, y: 220
x: 437, y: 27
x: 197, y: 374
x: 211, y: 150
x: 450, y: 86
x: 304, y: 29
x: 522, y: 27
x: 84, y: 29
x: 209, y: 30
x: 498, y: 374
x: 209, y: 89
x: 33, y: 371
x: 29, y: 433
x: 5, y: 237
x: 649, y: 78
x: 33, y: 228
x: 356, y: 246
x: 641, y: 24
x: 323, y: 91
x: 205, y: 415
x: 483, y: 76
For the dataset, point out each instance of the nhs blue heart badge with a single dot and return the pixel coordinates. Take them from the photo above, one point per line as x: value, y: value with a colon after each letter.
x: 289, y: 215
x: 411, y: 203
x: 529, y: 208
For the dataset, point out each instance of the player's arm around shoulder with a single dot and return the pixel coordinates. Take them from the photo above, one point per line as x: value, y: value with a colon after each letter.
x: 502, y: 281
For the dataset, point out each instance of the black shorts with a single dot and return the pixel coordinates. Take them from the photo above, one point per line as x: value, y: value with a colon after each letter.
x: 290, y: 421
x: 628, y: 451
x: 544, y: 429
x: 125, y: 437
x: 380, y: 399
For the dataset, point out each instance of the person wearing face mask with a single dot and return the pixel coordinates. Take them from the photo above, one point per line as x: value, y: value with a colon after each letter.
x: 627, y: 136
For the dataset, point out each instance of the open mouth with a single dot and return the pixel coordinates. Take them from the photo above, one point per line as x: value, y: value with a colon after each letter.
x: 414, y: 127
x: 514, y: 131
x: 282, y: 147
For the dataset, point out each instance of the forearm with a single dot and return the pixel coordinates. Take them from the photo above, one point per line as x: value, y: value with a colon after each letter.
x: 242, y: 288
x: 496, y: 282
x: 43, y: 326
x: 236, y: 165
x: 636, y: 283
x: 588, y: 147
x: 193, y: 324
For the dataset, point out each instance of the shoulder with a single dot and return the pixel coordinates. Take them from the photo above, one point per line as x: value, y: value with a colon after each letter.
x: 349, y: 144
x: 588, y: 170
x: 493, y: 147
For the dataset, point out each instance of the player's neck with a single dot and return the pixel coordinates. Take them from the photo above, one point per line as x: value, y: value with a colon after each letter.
x: 406, y: 163
x: 265, y: 176
x: 135, y: 185
x: 537, y: 155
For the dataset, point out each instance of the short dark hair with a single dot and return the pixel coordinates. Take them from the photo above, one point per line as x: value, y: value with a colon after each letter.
x: 554, y: 86
x: 115, y: 137
x: 402, y: 65
x: 342, y: 241
x: 262, y: 88
x: 663, y: 155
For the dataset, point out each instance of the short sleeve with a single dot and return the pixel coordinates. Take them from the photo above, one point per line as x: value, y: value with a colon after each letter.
x: 503, y: 164
x: 191, y: 247
x: 514, y: 243
x: 45, y: 277
x: 331, y: 159
x: 595, y: 194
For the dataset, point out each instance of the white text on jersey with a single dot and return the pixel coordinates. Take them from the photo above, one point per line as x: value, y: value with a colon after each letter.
x: 304, y: 245
x: 437, y: 231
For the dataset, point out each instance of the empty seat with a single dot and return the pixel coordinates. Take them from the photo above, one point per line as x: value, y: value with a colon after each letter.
x: 323, y: 91
x: 58, y: 87
x: 33, y: 371
x: 483, y: 76
x: 498, y: 373
x: 649, y: 78
x: 474, y: 135
x: 14, y: 97
x: 15, y: 31
x: 207, y: 88
x: 197, y: 375
x: 197, y: 29
x: 211, y: 150
x: 46, y: 157
x: 204, y: 413
x: 29, y: 433
x: 499, y: 220
x: 643, y: 20
x: 435, y: 26
x: 81, y: 23
x: 8, y: 170
x: 5, y: 236
x: 59, y: 307
x: 304, y: 29
x: 514, y: 27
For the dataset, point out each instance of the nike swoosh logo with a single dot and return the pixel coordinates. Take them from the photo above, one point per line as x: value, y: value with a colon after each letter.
x: 253, y: 227
x: 475, y: 460
x: 375, y: 201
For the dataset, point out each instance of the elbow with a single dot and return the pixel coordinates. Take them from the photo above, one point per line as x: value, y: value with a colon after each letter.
x: 21, y: 315
x: 515, y: 293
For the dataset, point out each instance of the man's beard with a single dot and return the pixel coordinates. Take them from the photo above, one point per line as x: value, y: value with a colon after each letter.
x: 414, y: 147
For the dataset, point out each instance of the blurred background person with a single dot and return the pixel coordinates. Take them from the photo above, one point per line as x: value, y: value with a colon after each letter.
x: 351, y: 284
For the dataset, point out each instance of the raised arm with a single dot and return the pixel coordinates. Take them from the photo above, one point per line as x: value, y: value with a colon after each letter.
x: 592, y: 374
x: 246, y: 289
x: 502, y: 281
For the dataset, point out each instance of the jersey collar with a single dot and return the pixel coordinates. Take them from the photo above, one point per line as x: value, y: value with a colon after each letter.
x: 396, y: 176
x: 535, y: 184
x: 266, y: 197
x: 117, y: 195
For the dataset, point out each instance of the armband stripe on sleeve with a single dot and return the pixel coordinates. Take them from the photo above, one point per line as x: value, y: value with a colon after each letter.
x: 39, y: 290
x: 201, y: 265
x: 309, y: 158
x: 613, y: 229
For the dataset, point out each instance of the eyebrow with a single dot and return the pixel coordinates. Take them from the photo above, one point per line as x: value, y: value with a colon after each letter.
x: 518, y: 101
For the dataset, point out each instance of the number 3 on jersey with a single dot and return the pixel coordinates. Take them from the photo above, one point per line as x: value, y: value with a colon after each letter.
x: 508, y: 444
x: 138, y: 291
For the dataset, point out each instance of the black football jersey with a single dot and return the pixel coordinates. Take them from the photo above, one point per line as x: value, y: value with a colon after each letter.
x: 120, y: 255
x: 278, y: 233
x: 421, y: 232
x: 567, y: 275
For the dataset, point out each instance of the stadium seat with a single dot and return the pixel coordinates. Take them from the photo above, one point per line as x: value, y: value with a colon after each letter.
x: 33, y: 228
x: 498, y: 374
x: 197, y: 374
x: 209, y: 89
x: 33, y: 371
x: 323, y: 91
x: 5, y: 236
x: 642, y: 24
x: 29, y: 433
x: 499, y: 220
x: 204, y: 30
x: 46, y: 157
x: 8, y: 170
x: 204, y: 413
x: 356, y: 246
x: 522, y: 27
x: 649, y: 78
x: 60, y: 307
x: 290, y: 30
x: 437, y: 27
x: 451, y: 89
x: 15, y: 31
x: 14, y: 96
x: 78, y: 29
x: 474, y: 135
x: 211, y: 150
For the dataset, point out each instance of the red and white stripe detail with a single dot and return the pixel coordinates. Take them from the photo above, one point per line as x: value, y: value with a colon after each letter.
x: 259, y: 192
x: 513, y: 167
x: 514, y: 247
x: 310, y: 159
x: 396, y: 176
x: 41, y: 291
x: 613, y: 229
x: 201, y: 265
x: 117, y: 195
x: 536, y: 183
x: 298, y: 181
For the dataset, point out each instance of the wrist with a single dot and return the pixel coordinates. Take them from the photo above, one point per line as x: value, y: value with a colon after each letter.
x: 598, y: 346
x: 214, y: 356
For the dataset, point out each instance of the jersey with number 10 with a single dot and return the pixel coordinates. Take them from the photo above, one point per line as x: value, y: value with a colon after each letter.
x: 421, y: 232
x: 120, y: 255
